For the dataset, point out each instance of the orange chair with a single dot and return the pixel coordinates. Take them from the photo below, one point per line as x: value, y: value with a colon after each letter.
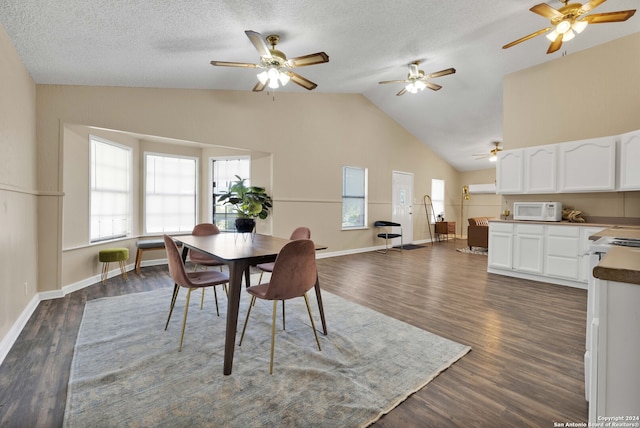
x: 294, y: 273
x: 189, y: 280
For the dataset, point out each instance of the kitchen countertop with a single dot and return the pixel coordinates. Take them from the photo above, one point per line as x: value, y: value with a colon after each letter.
x: 620, y: 264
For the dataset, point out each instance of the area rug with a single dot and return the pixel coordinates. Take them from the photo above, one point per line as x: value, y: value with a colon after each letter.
x: 474, y: 250
x: 409, y: 246
x: 127, y: 371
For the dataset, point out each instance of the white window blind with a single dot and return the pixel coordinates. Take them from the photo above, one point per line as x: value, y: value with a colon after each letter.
x: 354, y: 197
x: 170, y: 193
x: 110, y: 169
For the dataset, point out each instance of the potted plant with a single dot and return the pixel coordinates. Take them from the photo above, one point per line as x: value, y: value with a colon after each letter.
x: 249, y: 202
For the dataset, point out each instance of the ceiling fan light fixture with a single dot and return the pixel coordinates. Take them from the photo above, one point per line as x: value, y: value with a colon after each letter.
x: 419, y: 84
x: 552, y: 35
x: 284, y: 78
x: 579, y: 26
x: 493, y: 158
x: 263, y: 77
x: 568, y: 36
x: 563, y: 26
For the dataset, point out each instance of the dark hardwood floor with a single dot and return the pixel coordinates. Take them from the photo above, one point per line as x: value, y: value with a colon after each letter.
x: 527, y: 339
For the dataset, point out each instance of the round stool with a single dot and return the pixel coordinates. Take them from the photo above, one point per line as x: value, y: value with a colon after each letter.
x: 120, y: 255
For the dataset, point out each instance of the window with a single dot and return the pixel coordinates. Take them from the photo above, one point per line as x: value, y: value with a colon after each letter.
x: 224, y: 171
x: 110, y: 168
x: 170, y: 193
x: 354, y: 197
x: 437, y: 198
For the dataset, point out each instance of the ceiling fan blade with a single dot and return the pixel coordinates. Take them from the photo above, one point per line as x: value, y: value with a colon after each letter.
x: 547, y: 11
x: 311, y: 59
x: 591, y: 5
x: 601, y: 18
x: 234, y: 64
x: 442, y: 73
x: 482, y: 156
x: 259, y: 43
x: 259, y: 87
x: 525, y: 38
x: 402, y: 91
x: 555, y: 45
x: 384, y: 82
x: 432, y: 86
x: 299, y: 80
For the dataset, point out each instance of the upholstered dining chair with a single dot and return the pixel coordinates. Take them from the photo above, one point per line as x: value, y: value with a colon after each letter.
x: 201, y: 259
x: 298, y: 233
x: 189, y: 280
x: 294, y: 273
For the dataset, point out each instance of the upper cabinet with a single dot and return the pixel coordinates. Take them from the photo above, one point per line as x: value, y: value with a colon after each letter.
x: 509, y: 172
x: 540, y: 169
x: 587, y: 165
x: 577, y: 166
x: 629, y: 161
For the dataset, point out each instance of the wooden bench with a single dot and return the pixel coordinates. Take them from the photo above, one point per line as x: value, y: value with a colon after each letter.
x: 146, y: 245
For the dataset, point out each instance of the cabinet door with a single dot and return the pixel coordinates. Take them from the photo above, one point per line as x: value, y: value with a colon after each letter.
x: 529, y: 249
x: 587, y: 165
x: 510, y: 172
x: 585, y: 233
x: 563, y: 252
x: 500, y: 246
x: 629, y: 172
x: 540, y: 169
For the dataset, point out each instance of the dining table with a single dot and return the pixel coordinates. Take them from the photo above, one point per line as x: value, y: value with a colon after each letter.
x: 240, y: 251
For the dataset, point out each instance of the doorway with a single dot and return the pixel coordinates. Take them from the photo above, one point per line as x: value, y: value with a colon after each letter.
x: 402, y: 204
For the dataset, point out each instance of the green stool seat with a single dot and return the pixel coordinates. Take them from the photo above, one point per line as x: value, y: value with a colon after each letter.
x: 108, y: 255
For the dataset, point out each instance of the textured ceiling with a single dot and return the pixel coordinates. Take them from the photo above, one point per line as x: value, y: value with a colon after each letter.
x: 169, y: 43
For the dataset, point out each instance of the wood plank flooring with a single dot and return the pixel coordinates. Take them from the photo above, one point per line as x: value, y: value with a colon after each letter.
x: 527, y: 339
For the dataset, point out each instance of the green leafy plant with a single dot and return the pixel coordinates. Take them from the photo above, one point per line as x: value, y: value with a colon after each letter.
x: 248, y: 201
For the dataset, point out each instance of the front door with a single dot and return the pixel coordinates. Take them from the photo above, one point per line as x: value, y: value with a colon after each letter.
x: 402, y: 204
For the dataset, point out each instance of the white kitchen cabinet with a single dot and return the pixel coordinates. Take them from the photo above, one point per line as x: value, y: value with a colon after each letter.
x: 615, y: 345
x: 563, y: 252
x: 587, y: 165
x: 629, y: 161
x: 510, y: 172
x: 501, y: 245
x: 583, y: 253
x: 540, y: 169
x: 529, y: 248
x: 548, y: 252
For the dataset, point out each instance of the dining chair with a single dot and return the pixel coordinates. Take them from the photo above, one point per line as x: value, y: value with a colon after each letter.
x: 294, y: 273
x: 189, y: 280
x: 298, y: 233
x: 200, y: 259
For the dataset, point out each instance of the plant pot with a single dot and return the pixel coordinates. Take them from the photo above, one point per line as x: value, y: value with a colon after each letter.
x: 245, y: 225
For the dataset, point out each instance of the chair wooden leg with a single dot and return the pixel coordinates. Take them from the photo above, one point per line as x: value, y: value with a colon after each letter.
x: 202, y: 298
x: 246, y: 321
x: 123, y: 270
x: 313, y: 325
x: 273, y: 334
x: 176, y: 288
x: 184, y: 320
x: 105, y: 272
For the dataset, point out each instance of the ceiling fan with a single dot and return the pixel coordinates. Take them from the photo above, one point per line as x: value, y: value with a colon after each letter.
x: 417, y: 80
x: 569, y: 20
x: 276, y: 67
x: 493, y: 153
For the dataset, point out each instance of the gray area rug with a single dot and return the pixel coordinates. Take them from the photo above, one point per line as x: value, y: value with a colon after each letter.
x: 127, y: 371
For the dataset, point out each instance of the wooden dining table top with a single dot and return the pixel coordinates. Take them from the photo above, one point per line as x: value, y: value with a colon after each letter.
x: 232, y: 246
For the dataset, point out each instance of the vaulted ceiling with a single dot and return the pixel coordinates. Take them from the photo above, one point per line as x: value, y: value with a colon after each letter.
x: 169, y: 44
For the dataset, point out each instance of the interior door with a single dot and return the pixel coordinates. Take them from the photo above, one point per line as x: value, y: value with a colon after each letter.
x: 402, y: 204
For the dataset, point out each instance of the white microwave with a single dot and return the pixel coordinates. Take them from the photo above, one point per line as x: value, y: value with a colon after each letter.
x: 537, y: 211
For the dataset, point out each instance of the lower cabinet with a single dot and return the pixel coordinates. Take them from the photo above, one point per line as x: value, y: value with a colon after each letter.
x: 554, y: 253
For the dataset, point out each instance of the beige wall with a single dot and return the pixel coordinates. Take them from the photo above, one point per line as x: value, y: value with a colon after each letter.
x: 593, y: 93
x: 302, y: 141
x: 18, y: 190
x: 481, y: 204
